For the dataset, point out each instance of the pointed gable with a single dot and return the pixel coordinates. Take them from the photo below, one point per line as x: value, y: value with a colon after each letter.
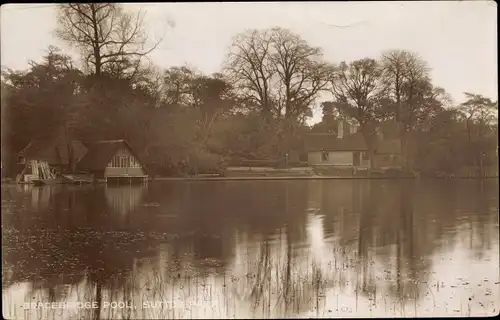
x: 101, y: 153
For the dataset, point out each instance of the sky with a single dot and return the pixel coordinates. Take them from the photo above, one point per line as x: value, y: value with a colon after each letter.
x: 456, y: 38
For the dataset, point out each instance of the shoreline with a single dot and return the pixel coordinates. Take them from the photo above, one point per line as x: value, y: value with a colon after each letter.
x: 241, y: 178
x: 304, y: 178
x: 261, y: 178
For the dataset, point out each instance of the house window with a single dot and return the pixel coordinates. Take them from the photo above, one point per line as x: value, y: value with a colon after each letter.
x: 365, y: 156
x: 324, y: 156
x: 21, y: 159
x: 115, y: 162
x: 353, y: 129
x: 134, y: 163
x: 123, y: 161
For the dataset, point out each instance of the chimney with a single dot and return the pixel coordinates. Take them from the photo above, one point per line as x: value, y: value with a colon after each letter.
x: 340, y: 129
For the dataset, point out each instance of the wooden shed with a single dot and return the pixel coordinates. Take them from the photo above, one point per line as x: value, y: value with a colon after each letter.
x: 42, y: 158
x: 113, y: 160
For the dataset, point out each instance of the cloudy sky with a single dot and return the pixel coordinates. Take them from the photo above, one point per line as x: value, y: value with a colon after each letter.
x: 457, y: 38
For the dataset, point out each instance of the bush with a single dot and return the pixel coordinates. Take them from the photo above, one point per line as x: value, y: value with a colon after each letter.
x: 298, y: 164
x: 334, y: 171
x: 265, y: 163
x: 204, y: 162
x: 393, y: 173
x: 253, y: 163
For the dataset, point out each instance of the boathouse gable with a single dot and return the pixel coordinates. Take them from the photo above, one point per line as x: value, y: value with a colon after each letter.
x: 124, y: 163
x: 112, y: 159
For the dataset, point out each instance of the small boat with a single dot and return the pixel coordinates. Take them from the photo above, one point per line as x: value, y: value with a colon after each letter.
x: 77, y: 178
x: 152, y: 204
x: 43, y: 182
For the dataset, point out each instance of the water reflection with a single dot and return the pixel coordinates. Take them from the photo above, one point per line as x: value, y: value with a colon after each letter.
x: 124, y: 200
x: 253, y: 249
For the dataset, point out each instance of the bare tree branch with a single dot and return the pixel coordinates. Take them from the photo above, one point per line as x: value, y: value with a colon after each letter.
x: 106, y: 35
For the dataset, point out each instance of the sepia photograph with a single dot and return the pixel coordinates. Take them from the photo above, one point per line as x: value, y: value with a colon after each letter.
x: 268, y: 160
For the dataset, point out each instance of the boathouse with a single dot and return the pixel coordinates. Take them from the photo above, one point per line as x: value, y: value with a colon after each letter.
x: 113, y: 161
x: 42, y: 158
x: 55, y: 152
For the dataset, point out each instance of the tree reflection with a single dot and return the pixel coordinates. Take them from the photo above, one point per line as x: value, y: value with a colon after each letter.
x: 63, y: 244
x: 278, y: 248
x: 400, y: 224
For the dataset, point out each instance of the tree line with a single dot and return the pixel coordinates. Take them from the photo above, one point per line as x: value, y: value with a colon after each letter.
x: 182, y: 121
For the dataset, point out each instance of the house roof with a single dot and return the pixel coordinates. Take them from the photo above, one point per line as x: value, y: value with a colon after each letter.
x: 53, y: 150
x: 330, y: 142
x: 101, y: 152
x: 351, y: 142
x: 37, y: 149
x: 79, y: 151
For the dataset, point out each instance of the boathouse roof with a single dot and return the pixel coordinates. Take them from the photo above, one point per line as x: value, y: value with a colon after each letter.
x: 101, y: 152
x: 54, y: 150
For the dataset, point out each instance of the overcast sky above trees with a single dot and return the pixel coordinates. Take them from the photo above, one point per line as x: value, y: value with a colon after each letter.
x: 457, y: 39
